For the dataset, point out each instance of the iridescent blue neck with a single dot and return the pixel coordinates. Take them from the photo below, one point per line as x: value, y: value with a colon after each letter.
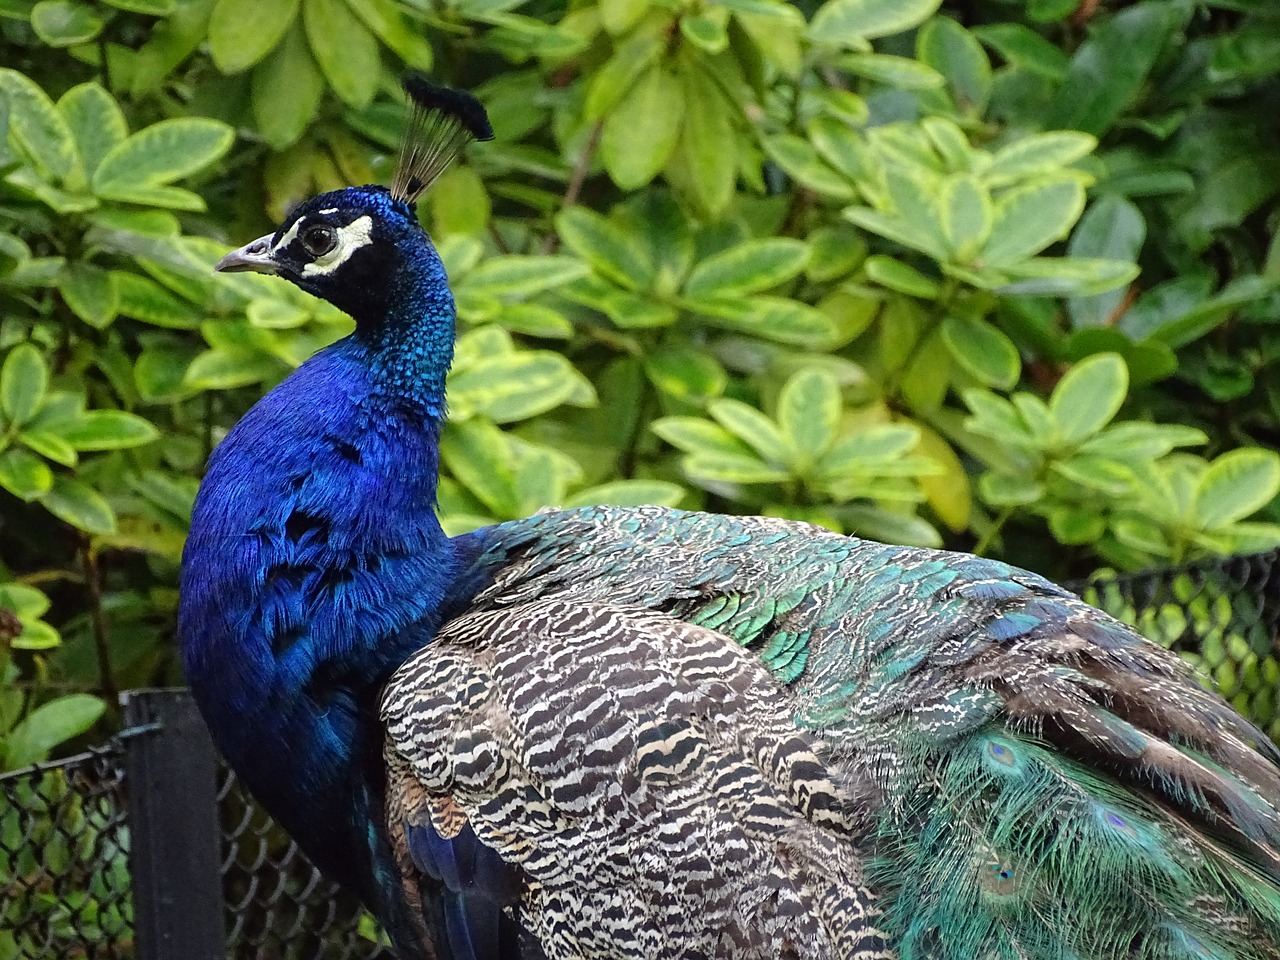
x: 315, y: 565
x: 408, y: 331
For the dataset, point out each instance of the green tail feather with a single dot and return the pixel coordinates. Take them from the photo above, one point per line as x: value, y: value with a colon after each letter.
x: 1017, y: 851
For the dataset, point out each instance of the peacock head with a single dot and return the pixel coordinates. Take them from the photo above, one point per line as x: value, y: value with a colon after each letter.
x: 348, y: 246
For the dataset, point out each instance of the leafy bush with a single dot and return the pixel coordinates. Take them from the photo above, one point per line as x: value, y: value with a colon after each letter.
x: 977, y: 276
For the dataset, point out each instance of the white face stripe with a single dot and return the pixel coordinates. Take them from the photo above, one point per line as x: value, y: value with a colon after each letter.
x: 356, y: 234
x: 290, y: 235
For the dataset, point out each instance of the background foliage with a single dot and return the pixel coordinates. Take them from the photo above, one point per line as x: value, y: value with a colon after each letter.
x: 997, y: 276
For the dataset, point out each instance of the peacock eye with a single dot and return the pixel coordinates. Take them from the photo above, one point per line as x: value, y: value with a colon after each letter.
x: 319, y: 240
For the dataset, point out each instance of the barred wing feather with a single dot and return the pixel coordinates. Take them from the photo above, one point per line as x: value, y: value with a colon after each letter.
x: 980, y: 764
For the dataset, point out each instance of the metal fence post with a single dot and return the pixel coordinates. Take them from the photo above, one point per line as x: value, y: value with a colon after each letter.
x: 173, y: 817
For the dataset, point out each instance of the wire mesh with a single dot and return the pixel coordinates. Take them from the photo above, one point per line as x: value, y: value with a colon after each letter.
x: 64, y: 860
x: 64, y: 836
x: 1222, y: 616
x: 278, y: 906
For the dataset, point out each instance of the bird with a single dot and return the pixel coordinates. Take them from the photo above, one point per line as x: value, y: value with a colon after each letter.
x: 640, y: 732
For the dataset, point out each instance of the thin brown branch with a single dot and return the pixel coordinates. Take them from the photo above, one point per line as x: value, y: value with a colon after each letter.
x: 580, y: 171
x: 98, y: 619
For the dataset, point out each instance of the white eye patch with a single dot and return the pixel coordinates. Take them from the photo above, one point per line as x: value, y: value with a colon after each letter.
x: 356, y: 234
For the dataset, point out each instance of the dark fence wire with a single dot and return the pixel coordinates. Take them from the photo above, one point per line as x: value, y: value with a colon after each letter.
x: 65, y: 882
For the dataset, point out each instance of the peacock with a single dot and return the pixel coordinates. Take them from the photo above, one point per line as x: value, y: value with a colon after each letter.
x: 618, y: 733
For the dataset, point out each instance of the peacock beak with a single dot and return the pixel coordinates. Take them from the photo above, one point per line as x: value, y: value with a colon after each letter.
x: 253, y: 257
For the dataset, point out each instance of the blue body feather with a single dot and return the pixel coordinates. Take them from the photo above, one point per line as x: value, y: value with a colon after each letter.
x: 316, y: 565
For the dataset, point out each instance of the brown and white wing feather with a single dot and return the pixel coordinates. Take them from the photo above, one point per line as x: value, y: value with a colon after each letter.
x: 646, y: 777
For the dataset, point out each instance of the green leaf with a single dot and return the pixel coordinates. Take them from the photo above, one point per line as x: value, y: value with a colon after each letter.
x: 704, y: 31
x: 1236, y: 484
x: 64, y: 23
x: 1076, y: 525
x: 801, y: 161
x: 834, y: 252
x: 1134, y: 440
x: 917, y: 204
x: 718, y: 467
x: 1108, y: 70
x: 26, y: 601
x: 845, y: 21
x: 1067, y: 276
x: 1114, y: 229
x: 749, y: 267
x: 996, y: 417
x: 146, y: 300
x: 642, y: 130
x: 1110, y: 477
x: 628, y: 310
x: 242, y: 32
x: 459, y: 202
x: 478, y: 454
x: 809, y: 411
x: 610, y: 83
x: 983, y: 350
x: 37, y: 126
x: 1040, y: 153
x: 406, y: 40
x: 1089, y: 396
x: 1023, y: 47
x: 513, y: 386
x: 771, y: 318
x: 24, y: 474
x: 696, y: 435
x: 628, y: 493
x: 686, y: 372
x: 286, y: 89
x: 1030, y: 218
x: 161, y: 153
x: 534, y: 320
x: 24, y: 378
x: 50, y: 725
x: 50, y: 446
x: 345, y: 49
x: 104, y: 430
x: 966, y: 216
x: 156, y: 8
x: 869, y: 450
x: 751, y: 427
x: 953, y: 51
x: 518, y: 275
x: 91, y: 293
x: 611, y: 251
x: 224, y: 368
x: 1010, y: 490
x: 78, y: 504
x: 708, y: 125
x: 1205, y: 314
x: 95, y: 121
x: 876, y: 523
x: 898, y: 276
x: 900, y: 72
x: 275, y: 314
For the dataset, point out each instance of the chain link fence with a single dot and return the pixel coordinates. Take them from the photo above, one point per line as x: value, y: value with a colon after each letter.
x: 278, y: 906
x: 1222, y: 616
x: 64, y: 849
x: 109, y: 854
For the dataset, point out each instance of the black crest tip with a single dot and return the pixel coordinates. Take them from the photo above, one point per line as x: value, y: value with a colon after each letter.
x: 458, y: 104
